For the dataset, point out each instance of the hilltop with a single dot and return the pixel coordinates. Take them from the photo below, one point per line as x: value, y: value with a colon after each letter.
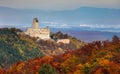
x: 16, y: 46
x: 50, y: 47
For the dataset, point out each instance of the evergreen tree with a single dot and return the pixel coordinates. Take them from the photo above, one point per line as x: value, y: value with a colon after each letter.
x: 47, y: 69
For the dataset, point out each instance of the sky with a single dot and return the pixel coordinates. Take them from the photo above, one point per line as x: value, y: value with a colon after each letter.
x: 98, y: 15
x: 59, y: 4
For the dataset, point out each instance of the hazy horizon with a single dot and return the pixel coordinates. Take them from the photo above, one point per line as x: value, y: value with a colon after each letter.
x: 86, y: 18
x: 78, y: 15
x: 89, y: 15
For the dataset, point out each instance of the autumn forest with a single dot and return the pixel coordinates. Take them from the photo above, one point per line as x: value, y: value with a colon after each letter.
x: 21, y: 54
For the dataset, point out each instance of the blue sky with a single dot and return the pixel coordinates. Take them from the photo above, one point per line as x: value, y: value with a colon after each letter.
x: 98, y: 15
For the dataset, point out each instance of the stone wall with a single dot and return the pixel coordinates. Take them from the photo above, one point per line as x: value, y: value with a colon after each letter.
x: 42, y: 33
x: 65, y: 41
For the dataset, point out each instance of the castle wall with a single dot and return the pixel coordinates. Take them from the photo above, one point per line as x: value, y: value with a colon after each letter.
x: 42, y: 33
x: 65, y: 41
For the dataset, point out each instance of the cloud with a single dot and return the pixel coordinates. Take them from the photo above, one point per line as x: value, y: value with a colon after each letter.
x: 7, y: 25
x: 63, y: 25
x: 90, y: 26
x: 50, y: 22
x: 55, y: 25
x: 100, y: 26
x: 59, y: 4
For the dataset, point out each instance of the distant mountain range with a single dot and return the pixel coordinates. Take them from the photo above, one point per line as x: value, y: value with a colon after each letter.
x: 84, y: 17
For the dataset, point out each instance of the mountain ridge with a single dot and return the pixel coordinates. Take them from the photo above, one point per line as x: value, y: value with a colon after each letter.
x: 77, y: 16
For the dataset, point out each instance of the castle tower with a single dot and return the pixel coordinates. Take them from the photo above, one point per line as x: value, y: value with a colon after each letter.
x: 35, y: 31
x: 35, y: 23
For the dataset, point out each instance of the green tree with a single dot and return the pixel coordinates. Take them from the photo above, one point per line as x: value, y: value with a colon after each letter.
x: 47, y: 69
x: 115, y: 39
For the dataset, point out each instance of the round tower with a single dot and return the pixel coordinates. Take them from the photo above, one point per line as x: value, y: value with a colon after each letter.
x: 35, y: 23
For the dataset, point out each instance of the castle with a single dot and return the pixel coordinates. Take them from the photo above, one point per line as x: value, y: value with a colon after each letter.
x: 35, y: 31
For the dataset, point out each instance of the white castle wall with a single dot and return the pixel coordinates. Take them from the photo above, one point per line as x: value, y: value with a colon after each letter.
x: 41, y: 33
x: 65, y: 41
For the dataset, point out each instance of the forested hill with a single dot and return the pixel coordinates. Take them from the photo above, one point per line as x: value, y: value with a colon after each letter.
x: 50, y: 47
x: 94, y: 58
x: 15, y: 46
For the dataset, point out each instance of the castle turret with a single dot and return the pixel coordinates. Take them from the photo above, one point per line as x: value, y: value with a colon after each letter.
x: 35, y: 24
